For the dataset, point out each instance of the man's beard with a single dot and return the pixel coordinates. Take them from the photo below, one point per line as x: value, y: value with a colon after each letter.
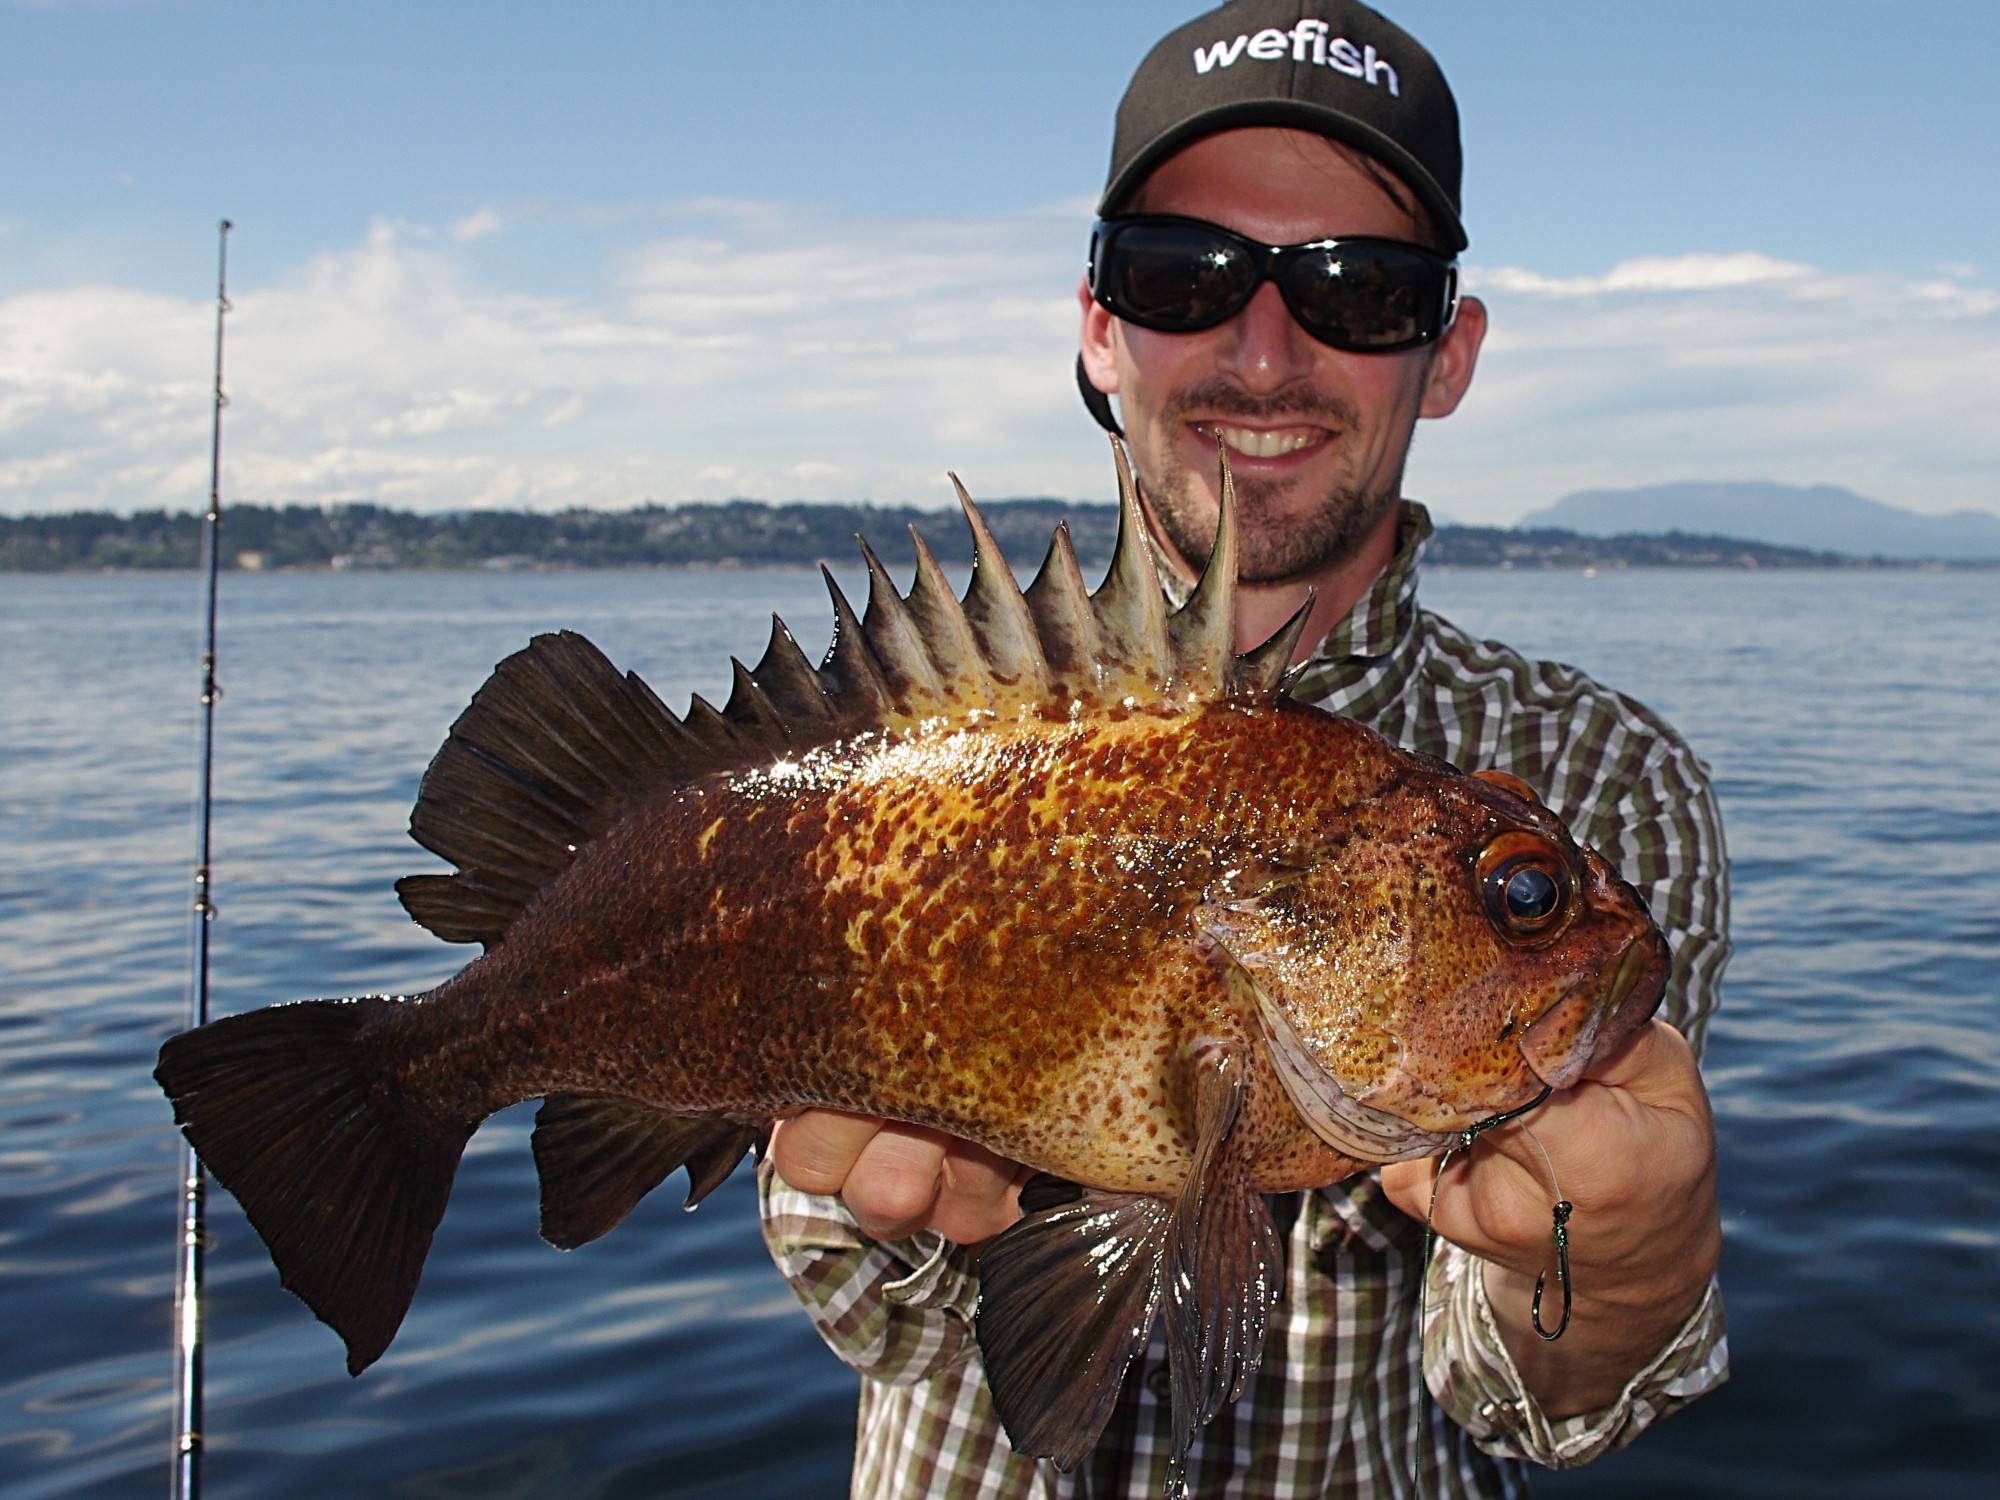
x: 1273, y: 547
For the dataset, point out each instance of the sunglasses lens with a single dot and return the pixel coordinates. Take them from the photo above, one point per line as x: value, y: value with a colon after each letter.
x: 1365, y: 296
x: 1173, y: 277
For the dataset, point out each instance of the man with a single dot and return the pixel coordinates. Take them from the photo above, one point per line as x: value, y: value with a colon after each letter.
x: 1276, y: 123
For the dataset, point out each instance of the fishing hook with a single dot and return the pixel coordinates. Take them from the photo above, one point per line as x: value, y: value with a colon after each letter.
x: 1560, y: 1230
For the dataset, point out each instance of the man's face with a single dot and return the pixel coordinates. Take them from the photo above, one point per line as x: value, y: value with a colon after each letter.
x: 1316, y: 437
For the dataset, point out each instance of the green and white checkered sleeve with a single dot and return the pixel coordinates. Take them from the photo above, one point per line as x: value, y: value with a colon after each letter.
x: 1665, y: 836
x: 899, y: 1311
x: 1473, y: 1377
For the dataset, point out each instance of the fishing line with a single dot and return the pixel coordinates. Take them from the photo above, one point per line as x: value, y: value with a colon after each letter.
x: 1465, y: 1142
x: 1562, y: 1211
x: 186, y: 1471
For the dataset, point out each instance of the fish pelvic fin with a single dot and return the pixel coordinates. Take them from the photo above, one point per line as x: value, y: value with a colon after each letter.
x: 342, y: 1179
x: 597, y: 1156
x: 1227, y: 1264
x: 1069, y: 1295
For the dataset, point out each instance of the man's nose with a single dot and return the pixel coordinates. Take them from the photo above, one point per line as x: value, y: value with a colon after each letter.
x: 1263, y: 347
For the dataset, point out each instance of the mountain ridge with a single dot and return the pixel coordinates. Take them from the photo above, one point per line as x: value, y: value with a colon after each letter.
x: 1823, y: 517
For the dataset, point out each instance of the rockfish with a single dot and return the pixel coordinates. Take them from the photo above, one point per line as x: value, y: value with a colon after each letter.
x: 1056, y: 872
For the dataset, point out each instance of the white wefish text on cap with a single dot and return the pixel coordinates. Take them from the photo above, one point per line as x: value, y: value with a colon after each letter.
x: 1309, y: 41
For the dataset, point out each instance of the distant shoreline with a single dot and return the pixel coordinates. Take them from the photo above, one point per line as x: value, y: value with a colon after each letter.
x: 751, y: 535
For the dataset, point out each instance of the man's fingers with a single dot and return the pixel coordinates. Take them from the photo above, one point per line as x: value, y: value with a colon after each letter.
x: 895, y: 1182
x: 981, y: 1194
x: 896, y: 1179
x: 1655, y: 1060
x: 1408, y: 1184
x: 816, y: 1150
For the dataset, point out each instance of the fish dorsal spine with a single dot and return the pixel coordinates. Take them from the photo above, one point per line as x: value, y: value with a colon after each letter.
x: 559, y: 744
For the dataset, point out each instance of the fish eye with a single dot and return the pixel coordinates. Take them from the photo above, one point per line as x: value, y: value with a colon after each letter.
x: 1526, y: 887
x: 1529, y: 894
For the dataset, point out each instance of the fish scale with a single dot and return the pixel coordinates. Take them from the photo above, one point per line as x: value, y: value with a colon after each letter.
x: 1055, y: 872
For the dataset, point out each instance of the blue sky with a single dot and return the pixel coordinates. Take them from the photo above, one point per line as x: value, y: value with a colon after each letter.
x: 514, y: 253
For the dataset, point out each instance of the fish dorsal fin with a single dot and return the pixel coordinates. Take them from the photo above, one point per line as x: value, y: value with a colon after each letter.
x: 558, y: 745
x: 1000, y: 620
x: 1066, y: 624
x: 1136, y: 657
x: 948, y: 634
x: 854, y: 684
x: 751, y: 712
x: 547, y: 755
x: 898, y: 644
x: 792, y: 685
x: 1204, y: 629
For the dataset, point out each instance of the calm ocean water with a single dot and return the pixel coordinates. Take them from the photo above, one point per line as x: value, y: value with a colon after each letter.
x: 1854, y: 725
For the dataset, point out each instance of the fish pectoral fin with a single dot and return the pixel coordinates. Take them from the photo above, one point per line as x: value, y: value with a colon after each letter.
x: 1067, y: 1298
x: 598, y: 1155
x: 1069, y: 1294
x: 1226, y: 1262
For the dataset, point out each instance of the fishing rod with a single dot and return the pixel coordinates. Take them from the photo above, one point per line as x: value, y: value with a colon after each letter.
x: 187, y: 1300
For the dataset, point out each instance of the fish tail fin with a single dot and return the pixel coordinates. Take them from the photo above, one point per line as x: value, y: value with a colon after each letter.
x: 344, y: 1182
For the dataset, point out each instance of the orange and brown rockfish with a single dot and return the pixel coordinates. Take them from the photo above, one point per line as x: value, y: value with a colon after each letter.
x: 1055, y: 872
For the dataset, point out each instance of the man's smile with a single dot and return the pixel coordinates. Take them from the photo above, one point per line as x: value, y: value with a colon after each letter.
x: 1263, y: 442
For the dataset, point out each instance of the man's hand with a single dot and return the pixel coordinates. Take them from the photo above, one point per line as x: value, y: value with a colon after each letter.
x: 896, y: 1179
x: 1633, y: 1146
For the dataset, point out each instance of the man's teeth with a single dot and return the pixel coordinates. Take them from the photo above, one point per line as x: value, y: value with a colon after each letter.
x: 1251, y: 443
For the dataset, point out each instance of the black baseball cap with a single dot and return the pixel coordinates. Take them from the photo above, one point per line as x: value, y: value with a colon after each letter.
x: 1329, y: 66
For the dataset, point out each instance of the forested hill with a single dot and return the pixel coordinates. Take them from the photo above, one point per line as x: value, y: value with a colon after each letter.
x: 739, y: 533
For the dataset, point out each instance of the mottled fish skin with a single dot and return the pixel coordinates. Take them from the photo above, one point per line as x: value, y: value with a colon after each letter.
x: 1054, y: 871
x: 1016, y: 931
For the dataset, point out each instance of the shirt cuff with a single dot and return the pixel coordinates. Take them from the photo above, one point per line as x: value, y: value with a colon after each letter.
x: 945, y: 1278
x: 1472, y: 1375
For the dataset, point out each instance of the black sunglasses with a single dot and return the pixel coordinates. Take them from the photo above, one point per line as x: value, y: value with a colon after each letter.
x: 1360, y: 294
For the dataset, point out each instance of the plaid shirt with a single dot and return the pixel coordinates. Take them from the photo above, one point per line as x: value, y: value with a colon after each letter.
x: 1353, y: 1399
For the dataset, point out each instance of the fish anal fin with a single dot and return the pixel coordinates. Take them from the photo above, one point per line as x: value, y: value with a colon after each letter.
x: 1067, y: 1298
x: 598, y: 1155
x: 709, y: 1165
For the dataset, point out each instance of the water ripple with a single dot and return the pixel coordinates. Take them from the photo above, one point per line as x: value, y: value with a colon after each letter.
x: 1853, y: 724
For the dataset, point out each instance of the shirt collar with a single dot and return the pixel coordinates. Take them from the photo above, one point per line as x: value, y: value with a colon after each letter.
x: 1383, y: 616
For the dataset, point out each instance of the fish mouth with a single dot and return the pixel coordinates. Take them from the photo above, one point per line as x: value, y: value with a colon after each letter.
x: 1593, y: 1021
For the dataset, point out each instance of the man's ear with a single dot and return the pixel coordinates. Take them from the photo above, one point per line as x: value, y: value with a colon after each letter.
x: 1453, y: 359
x: 1100, y: 364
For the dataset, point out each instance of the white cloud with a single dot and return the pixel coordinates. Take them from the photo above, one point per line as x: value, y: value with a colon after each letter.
x: 1725, y: 367
x: 477, y: 225
x: 770, y: 350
